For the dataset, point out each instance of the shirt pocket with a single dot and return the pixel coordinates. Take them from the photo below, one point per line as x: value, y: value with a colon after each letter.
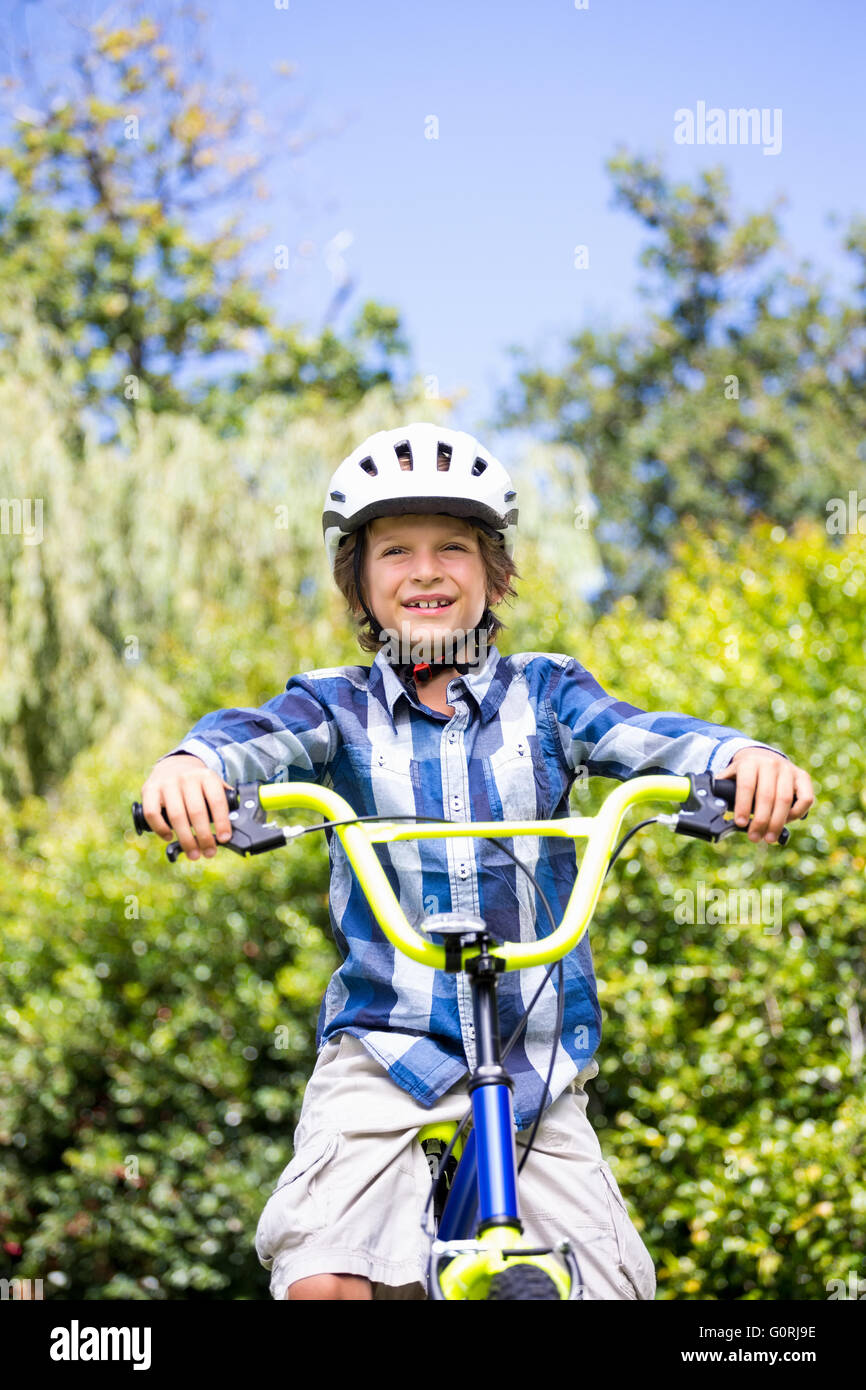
x: 391, y: 776
x: 390, y: 762
x: 514, y: 789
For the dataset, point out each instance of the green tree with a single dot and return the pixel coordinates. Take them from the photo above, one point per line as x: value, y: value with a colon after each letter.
x: 108, y: 187
x: 732, y: 976
x: 156, y: 1021
x: 151, y: 552
x: 741, y: 394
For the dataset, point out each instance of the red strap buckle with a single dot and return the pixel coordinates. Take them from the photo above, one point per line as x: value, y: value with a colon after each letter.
x: 422, y: 666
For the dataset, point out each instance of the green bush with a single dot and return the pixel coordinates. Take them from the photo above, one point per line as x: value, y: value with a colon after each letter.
x: 730, y: 1096
x: 157, y: 1022
x: 157, y: 1029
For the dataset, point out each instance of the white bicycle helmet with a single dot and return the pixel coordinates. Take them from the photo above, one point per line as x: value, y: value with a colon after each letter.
x: 442, y: 470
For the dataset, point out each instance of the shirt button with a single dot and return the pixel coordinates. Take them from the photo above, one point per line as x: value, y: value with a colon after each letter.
x: 456, y: 802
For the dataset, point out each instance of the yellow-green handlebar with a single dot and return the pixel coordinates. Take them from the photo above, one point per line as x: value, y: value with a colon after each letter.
x: 600, y: 832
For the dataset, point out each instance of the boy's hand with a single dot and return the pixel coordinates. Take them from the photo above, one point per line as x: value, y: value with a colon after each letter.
x: 781, y: 791
x: 190, y: 792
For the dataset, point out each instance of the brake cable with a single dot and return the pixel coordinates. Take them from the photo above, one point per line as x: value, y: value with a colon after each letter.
x: 701, y: 818
x: 518, y: 1029
x: 462, y: 1124
x: 295, y: 832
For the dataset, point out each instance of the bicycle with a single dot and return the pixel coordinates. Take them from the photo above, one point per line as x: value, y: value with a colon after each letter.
x: 478, y: 1251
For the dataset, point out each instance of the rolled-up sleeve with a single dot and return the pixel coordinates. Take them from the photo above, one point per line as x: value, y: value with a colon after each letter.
x: 611, y: 738
x: 289, y: 738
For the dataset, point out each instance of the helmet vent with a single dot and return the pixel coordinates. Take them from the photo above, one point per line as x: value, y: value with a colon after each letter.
x: 478, y: 467
x: 443, y: 457
x: 404, y: 455
x: 369, y: 467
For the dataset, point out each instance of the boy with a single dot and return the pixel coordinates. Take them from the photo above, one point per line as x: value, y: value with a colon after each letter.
x: 419, y: 525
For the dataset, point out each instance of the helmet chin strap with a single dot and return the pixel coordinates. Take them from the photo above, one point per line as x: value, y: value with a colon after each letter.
x: 424, y: 671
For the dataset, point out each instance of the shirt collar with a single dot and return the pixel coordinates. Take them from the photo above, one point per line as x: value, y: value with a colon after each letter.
x: 486, y: 684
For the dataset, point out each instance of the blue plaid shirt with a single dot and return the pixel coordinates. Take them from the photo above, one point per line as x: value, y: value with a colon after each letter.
x: 524, y: 727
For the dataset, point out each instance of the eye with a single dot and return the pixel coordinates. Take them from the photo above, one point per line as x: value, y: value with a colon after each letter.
x: 449, y: 545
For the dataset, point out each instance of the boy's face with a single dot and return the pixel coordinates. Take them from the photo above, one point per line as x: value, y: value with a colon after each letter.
x: 415, y: 557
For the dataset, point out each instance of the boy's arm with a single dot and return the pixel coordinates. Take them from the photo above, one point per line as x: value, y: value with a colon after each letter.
x: 611, y: 738
x: 291, y: 737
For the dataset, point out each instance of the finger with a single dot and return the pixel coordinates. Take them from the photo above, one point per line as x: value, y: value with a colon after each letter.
x: 151, y: 805
x: 747, y: 777
x: 781, y: 806
x: 175, y: 808
x: 805, y: 796
x: 215, y: 790
x: 765, y: 800
x: 199, y: 814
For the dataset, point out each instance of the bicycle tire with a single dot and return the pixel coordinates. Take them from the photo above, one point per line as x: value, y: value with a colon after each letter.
x: 523, y: 1282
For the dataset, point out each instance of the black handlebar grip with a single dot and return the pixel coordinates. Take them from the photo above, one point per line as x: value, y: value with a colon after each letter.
x: 726, y: 788
x: 140, y: 822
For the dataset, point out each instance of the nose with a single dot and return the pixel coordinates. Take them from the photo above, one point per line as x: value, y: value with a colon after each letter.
x: 427, y: 567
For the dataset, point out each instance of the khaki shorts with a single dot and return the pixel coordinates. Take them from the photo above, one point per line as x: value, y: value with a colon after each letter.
x: 351, y: 1199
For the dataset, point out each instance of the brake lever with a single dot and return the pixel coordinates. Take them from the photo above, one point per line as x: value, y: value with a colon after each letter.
x: 702, y: 814
x: 251, y: 833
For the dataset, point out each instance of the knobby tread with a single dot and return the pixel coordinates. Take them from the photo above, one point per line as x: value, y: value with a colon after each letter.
x: 522, y: 1281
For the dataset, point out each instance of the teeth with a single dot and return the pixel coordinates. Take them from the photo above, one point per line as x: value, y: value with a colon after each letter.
x: 437, y: 603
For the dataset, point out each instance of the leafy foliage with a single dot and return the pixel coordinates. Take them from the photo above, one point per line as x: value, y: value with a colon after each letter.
x: 157, y: 1022
x: 155, y: 1050
x: 148, y: 1096
x: 147, y: 541
x: 99, y: 239
x: 740, y: 396
x: 730, y: 1094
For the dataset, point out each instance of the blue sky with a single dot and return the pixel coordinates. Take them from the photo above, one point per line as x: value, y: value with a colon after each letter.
x: 472, y: 235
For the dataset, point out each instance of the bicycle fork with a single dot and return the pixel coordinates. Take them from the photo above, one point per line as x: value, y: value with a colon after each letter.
x: 490, y: 1088
x: 483, y: 1200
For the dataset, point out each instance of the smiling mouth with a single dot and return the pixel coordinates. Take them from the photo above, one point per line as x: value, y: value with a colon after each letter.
x: 433, y: 607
